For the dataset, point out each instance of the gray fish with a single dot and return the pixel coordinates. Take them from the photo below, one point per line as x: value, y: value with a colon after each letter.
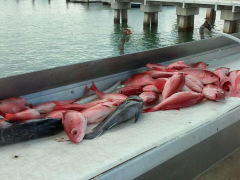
x: 32, y: 129
x: 131, y: 107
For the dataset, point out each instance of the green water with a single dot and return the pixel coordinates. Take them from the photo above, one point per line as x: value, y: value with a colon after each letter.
x: 41, y: 34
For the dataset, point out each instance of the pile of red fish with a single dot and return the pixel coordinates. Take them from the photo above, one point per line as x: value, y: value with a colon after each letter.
x: 165, y: 87
x: 75, y: 117
x: 181, y: 85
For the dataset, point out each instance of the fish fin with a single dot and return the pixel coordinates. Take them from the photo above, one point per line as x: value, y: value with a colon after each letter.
x: 137, y: 116
x: 93, y: 134
x: 9, y: 116
x: 87, y: 88
x: 95, y: 89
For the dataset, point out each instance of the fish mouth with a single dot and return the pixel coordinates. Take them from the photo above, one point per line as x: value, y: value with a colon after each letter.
x: 73, y: 131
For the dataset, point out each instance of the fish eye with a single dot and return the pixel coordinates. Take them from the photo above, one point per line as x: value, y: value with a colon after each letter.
x: 74, y: 131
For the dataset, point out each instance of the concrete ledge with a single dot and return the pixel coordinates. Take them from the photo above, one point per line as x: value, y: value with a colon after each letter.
x: 149, y: 8
x: 229, y: 15
x: 187, y: 11
x: 120, y: 5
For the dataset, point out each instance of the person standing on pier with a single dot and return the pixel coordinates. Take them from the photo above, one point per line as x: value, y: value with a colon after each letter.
x: 123, y: 39
x: 205, y: 25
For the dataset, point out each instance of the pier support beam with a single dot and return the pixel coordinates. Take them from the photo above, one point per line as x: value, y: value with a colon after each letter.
x: 186, y: 18
x: 146, y: 19
x: 124, y: 15
x: 116, y: 16
x: 120, y: 9
x: 154, y: 19
x: 150, y: 14
x: 211, y: 14
x: 231, y: 21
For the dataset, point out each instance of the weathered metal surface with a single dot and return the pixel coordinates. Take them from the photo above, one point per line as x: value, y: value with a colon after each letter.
x: 195, y: 160
x: 190, y: 162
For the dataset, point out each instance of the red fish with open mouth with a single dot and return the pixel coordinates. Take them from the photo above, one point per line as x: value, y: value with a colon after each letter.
x: 234, y: 85
x: 75, y: 125
x: 213, y: 92
x: 223, y: 74
x: 149, y: 98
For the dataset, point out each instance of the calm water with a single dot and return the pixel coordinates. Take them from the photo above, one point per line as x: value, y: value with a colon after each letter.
x: 40, y: 34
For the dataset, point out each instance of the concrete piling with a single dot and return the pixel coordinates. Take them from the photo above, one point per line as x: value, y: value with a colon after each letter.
x: 231, y: 21
x: 146, y: 19
x: 185, y: 23
x: 120, y: 10
x: 116, y: 16
x: 231, y: 27
x: 211, y: 14
x: 154, y: 19
x: 186, y: 17
x: 150, y: 14
x: 124, y: 15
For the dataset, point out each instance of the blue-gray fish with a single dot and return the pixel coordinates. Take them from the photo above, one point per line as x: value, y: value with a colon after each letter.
x: 131, y: 107
x: 32, y: 129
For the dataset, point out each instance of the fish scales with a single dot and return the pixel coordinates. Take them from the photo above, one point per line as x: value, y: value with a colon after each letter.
x: 33, y: 129
x: 131, y: 107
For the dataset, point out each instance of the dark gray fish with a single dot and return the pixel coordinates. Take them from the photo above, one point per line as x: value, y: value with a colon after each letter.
x: 131, y: 107
x: 19, y: 132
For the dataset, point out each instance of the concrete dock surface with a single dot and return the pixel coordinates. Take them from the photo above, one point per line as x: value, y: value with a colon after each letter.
x: 228, y: 169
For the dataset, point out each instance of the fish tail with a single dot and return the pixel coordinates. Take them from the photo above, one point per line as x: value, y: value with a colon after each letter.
x: 8, y: 116
x: 95, y: 89
x: 93, y: 135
